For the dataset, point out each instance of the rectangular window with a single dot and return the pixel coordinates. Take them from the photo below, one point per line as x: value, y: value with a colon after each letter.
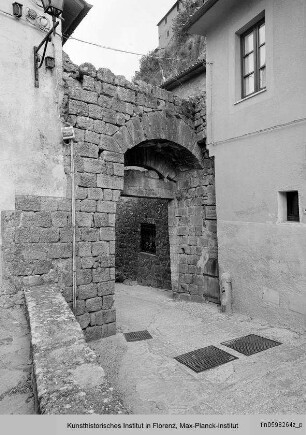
x: 293, y: 206
x: 148, y: 238
x: 253, y: 57
x: 288, y: 206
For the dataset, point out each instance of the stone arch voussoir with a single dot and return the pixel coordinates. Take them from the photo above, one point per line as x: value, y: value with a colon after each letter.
x: 158, y: 125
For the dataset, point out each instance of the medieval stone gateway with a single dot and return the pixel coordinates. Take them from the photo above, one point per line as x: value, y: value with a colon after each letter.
x: 120, y: 127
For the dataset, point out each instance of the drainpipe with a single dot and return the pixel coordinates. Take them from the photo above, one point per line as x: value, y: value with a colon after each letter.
x: 68, y: 135
x: 74, y: 286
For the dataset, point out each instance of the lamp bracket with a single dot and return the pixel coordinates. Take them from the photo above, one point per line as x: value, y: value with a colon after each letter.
x: 37, y: 62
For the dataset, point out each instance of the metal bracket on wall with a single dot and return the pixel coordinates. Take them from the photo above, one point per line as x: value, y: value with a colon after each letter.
x: 37, y: 62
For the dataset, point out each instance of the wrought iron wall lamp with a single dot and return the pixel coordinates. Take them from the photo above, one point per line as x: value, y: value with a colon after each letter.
x: 53, y: 8
x: 17, y: 9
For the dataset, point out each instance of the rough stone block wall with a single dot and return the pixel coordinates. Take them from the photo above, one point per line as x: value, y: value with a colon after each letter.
x: 98, y: 104
x: 193, y: 236
x: 110, y: 116
x: 37, y: 246
x: 37, y: 250
x: 200, y: 115
x: 145, y: 268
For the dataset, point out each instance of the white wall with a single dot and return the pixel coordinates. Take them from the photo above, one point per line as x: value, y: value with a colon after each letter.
x: 267, y: 259
x: 31, y: 161
x: 30, y: 135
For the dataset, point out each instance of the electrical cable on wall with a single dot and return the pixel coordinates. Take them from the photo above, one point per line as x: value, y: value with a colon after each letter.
x: 159, y: 58
x: 104, y: 46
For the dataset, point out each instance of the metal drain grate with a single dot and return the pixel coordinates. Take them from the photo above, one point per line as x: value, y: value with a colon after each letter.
x: 251, y: 344
x: 137, y: 336
x: 205, y: 359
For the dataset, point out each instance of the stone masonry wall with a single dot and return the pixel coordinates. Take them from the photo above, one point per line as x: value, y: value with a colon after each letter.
x: 200, y: 115
x: 145, y: 268
x: 37, y: 246
x: 193, y: 236
x: 101, y: 107
x: 109, y: 115
x: 37, y: 250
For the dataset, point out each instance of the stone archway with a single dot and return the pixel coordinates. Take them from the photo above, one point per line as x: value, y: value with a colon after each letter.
x: 159, y: 125
x: 115, y: 121
x: 153, y: 142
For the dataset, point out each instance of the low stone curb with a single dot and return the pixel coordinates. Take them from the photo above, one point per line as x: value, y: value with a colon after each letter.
x: 68, y: 378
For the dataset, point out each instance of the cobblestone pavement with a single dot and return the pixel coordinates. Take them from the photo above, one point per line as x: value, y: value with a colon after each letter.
x: 152, y: 382
x: 16, y: 395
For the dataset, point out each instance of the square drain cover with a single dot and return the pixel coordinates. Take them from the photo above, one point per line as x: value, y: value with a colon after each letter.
x: 204, y: 359
x: 251, y: 344
x: 137, y: 336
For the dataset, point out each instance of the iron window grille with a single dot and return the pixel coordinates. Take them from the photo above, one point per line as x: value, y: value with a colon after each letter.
x: 148, y: 238
x: 253, y: 58
x: 293, y: 214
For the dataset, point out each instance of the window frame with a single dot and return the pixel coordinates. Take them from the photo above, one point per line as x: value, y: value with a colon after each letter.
x: 256, y: 50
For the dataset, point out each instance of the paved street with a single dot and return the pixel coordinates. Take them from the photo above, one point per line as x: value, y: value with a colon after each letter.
x: 16, y: 395
x: 152, y: 382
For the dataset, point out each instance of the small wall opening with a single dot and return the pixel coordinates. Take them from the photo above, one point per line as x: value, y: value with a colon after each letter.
x: 288, y: 206
x: 148, y: 238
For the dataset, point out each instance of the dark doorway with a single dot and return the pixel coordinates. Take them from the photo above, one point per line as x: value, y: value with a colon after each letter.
x: 142, y: 242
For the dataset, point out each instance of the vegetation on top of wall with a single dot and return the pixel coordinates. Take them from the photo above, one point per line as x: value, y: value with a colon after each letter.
x: 183, y: 51
x: 188, y: 9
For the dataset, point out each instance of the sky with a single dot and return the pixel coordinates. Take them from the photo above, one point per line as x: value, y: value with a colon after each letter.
x: 124, y: 24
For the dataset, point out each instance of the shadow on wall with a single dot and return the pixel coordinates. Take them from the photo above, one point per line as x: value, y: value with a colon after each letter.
x: 142, y: 242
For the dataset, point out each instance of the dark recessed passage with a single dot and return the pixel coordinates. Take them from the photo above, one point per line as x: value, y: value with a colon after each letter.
x: 205, y: 359
x: 137, y: 336
x: 251, y: 344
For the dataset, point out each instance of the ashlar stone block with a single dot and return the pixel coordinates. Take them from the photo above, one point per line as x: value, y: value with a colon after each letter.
x: 106, y: 207
x: 109, y: 182
x: 87, y: 180
x: 95, y: 111
x: 106, y: 288
x: 84, y: 320
x: 100, y: 248
x: 84, y: 249
x: 87, y: 150
x: 94, y: 304
x: 84, y: 219
x: 110, y: 156
x: 87, y: 291
x: 107, y: 234
x: 101, y: 274
x: 100, y: 219
x: 95, y: 193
